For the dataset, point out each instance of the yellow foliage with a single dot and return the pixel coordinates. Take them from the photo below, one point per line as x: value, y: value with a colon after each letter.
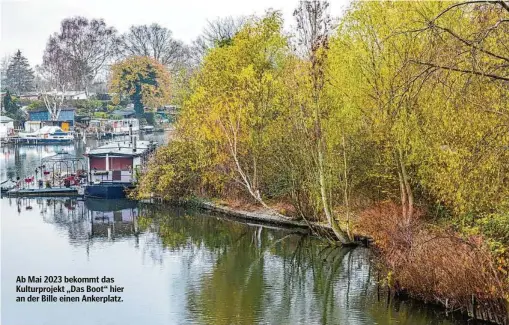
x: 143, y: 79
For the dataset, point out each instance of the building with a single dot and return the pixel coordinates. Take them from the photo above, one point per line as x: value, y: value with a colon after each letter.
x: 41, y: 117
x: 6, y: 126
x: 70, y: 95
x: 30, y: 96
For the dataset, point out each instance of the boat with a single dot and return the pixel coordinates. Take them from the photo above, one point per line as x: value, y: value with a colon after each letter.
x: 46, y: 135
x: 113, y: 167
x: 7, y: 185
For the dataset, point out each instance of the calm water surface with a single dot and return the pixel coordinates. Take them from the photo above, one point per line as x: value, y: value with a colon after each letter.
x: 182, y: 266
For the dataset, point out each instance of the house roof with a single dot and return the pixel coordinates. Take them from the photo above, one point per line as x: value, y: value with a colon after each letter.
x: 29, y: 94
x: 122, y: 148
x: 67, y: 93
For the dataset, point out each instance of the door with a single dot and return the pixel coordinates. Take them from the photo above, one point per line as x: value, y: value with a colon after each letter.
x: 116, y: 175
x: 65, y: 126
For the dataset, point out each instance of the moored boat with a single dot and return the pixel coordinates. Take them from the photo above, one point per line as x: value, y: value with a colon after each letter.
x: 113, y: 168
x: 46, y: 135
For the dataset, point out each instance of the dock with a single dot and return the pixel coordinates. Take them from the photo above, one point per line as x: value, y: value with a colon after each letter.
x: 40, y: 192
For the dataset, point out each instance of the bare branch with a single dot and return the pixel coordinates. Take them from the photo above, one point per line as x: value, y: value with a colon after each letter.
x: 483, y: 74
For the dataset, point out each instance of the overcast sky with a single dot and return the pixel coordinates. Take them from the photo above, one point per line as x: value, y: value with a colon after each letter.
x: 27, y: 24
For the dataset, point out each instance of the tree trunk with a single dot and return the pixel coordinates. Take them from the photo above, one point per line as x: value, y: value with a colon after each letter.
x: 346, y: 198
x: 407, y: 198
x: 340, y: 234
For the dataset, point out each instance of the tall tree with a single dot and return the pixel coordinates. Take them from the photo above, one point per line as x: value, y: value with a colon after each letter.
x: 143, y: 79
x: 314, y: 24
x: 314, y: 27
x: 234, y: 98
x: 19, y: 77
x: 153, y: 41
x: 86, y: 45
x: 55, y: 78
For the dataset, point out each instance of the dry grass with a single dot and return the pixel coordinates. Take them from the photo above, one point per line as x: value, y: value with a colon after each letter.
x: 436, y: 265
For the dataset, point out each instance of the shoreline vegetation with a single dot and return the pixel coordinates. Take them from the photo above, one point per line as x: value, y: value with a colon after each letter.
x: 391, y: 123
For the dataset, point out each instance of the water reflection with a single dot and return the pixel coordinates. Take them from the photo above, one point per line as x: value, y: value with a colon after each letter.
x: 256, y: 275
x: 112, y: 218
x: 187, y: 267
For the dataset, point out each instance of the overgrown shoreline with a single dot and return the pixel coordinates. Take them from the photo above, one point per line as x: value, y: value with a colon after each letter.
x: 385, y: 124
x: 489, y: 311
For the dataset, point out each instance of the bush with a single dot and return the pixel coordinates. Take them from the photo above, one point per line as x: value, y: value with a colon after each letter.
x: 174, y: 173
x: 36, y: 104
x: 100, y: 114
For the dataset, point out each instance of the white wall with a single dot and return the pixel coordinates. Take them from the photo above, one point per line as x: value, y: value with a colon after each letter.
x: 6, y: 129
x: 32, y: 126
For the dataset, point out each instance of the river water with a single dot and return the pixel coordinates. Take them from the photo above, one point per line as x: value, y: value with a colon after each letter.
x: 182, y: 266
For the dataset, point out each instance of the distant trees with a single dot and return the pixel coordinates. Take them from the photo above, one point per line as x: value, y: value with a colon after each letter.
x: 4, y: 64
x: 153, y: 41
x: 56, y: 78
x: 220, y: 32
x: 19, y: 76
x: 72, y: 59
x: 143, y: 79
x: 83, y: 46
x: 217, y: 33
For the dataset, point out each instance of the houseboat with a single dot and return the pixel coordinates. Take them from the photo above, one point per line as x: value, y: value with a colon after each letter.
x: 46, y: 135
x: 113, y: 167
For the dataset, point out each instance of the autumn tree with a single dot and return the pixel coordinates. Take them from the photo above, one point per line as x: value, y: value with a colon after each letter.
x: 314, y: 28
x: 19, y: 76
x: 143, y: 80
